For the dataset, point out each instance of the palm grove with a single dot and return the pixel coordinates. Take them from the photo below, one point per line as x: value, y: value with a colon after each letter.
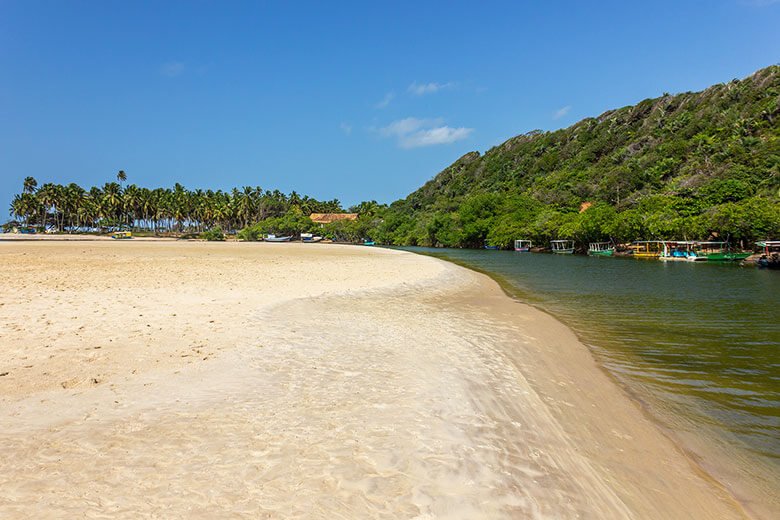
x: 686, y: 166
x: 71, y: 208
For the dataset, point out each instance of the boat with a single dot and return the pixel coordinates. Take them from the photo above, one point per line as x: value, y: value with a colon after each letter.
x: 368, y: 242
x: 274, y: 238
x: 601, y: 249
x: 492, y: 248
x: 523, y: 246
x: 716, y: 252
x: 647, y: 248
x: 121, y: 235
x: 309, y: 238
x: 677, y: 250
x: 770, y: 254
x: 562, y: 247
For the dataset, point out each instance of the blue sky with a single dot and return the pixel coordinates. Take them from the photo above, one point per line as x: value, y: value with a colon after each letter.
x: 352, y: 100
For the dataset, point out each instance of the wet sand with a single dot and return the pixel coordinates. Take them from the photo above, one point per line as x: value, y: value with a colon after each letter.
x: 200, y: 380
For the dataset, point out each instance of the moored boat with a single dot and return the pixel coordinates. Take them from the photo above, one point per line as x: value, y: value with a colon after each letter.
x: 647, y: 248
x: 716, y: 252
x: 523, y: 246
x: 677, y: 250
x: 770, y: 254
x: 601, y: 249
x: 562, y: 247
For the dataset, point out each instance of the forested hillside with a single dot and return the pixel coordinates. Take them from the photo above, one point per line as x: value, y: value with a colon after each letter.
x: 679, y: 166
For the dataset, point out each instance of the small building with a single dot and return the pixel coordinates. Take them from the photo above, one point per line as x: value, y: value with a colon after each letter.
x: 327, y: 218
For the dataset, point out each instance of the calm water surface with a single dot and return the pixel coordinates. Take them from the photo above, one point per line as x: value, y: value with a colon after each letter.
x: 698, y: 343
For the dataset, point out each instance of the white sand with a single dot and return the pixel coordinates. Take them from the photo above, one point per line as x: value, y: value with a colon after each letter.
x: 197, y: 380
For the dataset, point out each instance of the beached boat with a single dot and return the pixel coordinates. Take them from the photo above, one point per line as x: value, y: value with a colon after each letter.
x: 601, y: 249
x: 770, y: 254
x: 562, y: 247
x: 309, y: 238
x: 274, y: 238
x: 647, y: 248
x: 368, y: 242
x: 523, y: 246
x: 121, y: 235
x: 716, y: 252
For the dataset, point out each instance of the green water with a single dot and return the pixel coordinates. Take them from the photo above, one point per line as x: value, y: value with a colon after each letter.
x: 699, y: 344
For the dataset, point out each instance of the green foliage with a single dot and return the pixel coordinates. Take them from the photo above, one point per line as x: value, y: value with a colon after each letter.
x: 213, y: 235
x: 684, y: 166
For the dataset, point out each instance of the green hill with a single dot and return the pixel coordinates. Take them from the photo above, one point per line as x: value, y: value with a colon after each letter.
x: 690, y: 165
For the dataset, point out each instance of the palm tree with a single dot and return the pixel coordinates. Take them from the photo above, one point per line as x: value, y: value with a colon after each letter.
x: 121, y: 176
x: 29, y: 185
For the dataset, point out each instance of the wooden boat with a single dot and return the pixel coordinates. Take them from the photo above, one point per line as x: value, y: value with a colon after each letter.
x: 121, y: 235
x: 274, y: 238
x: 770, y: 254
x: 647, y: 248
x: 562, y: 247
x: 523, y: 246
x: 677, y: 250
x: 601, y: 249
x: 716, y: 252
x: 492, y: 248
x: 309, y: 238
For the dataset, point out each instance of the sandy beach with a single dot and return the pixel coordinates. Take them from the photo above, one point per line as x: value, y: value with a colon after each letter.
x: 251, y: 380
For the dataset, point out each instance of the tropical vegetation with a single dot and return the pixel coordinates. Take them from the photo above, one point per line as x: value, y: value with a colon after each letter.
x: 692, y: 165
x: 72, y: 208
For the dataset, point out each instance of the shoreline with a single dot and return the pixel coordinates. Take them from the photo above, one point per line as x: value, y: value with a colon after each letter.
x: 689, y: 444
x: 464, y: 367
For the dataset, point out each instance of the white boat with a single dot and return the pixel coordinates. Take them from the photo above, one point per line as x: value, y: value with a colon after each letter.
x: 523, y: 246
x: 562, y: 247
x: 274, y: 238
x: 309, y: 238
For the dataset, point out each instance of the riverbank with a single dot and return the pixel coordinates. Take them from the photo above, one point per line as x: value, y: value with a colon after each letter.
x: 291, y: 380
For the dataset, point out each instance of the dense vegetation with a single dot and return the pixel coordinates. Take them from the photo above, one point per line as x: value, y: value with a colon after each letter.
x: 71, y: 208
x: 687, y: 166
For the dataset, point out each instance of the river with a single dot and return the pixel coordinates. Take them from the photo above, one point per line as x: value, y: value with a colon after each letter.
x: 698, y: 345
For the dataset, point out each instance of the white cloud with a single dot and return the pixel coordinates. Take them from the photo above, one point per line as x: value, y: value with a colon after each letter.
x: 415, y: 133
x: 561, y: 112
x: 385, y: 100
x: 420, y: 89
x: 172, y: 69
x: 346, y: 128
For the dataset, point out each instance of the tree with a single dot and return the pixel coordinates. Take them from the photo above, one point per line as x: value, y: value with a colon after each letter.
x: 29, y: 185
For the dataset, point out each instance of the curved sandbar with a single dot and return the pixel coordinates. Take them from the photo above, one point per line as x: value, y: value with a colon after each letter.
x: 309, y: 381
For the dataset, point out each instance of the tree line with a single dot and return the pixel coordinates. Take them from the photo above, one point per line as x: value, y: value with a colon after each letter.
x: 72, y: 208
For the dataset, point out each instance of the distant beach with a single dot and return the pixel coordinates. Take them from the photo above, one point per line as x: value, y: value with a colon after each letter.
x: 253, y: 380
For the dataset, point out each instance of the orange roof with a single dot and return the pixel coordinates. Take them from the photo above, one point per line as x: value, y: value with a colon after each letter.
x: 327, y: 218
